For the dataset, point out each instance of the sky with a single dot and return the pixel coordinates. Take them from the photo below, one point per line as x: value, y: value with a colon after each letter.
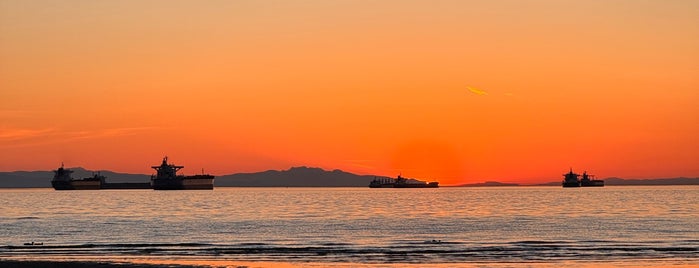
x: 454, y: 91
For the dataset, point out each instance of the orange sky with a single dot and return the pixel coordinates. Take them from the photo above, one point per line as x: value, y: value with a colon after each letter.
x: 455, y: 91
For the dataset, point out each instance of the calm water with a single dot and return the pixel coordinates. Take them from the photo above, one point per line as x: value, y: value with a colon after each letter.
x: 359, y: 225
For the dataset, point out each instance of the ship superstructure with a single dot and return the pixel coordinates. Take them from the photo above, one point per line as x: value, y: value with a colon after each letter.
x: 166, y: 178
x: 570, y: 179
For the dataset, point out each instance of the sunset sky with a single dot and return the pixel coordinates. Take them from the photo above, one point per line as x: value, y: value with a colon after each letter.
x: 455, y: 91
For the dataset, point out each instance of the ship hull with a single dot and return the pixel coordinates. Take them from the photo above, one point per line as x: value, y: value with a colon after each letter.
x: 595, y: 183
x: 571, y: 185
x: 415, y: 185
x: 404, y: 185
x: 76, y: 185
x: 198, y: 182
x: 381, y: 185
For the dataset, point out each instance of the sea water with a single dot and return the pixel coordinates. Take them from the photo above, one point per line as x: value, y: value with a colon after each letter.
x: 647, y: 225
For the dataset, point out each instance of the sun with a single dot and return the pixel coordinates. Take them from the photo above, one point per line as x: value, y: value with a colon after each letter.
x: 429, y: 160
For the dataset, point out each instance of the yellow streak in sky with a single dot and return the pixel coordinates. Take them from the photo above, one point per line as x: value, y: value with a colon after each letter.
x: 477, y: 91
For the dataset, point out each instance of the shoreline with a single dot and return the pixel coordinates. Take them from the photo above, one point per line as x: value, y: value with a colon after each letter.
x: 86, y: 264
x: 227, y: 263
x: 320, y: 187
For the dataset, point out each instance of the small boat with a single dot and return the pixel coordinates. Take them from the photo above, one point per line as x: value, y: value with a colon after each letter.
x: 34, y: 243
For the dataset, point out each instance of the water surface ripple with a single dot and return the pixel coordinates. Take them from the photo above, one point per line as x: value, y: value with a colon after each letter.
x: 358, y: 225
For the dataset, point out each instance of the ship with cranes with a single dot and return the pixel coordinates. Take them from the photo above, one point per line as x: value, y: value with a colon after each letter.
x: 166, y: 178
x: 571, y: 179
x: 63, y: 180
x: 401, y: 182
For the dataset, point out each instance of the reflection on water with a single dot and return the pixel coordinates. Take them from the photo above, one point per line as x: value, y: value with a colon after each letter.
x: 542, y: 225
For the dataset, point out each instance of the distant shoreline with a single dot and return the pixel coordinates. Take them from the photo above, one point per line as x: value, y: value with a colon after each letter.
x: 293, y: 177
x: 445, y: 186
x: 193, y: 263
x: 87, y: 264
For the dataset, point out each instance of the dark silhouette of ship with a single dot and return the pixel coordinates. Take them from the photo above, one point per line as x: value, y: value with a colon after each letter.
x: 589, y: 181
x: 570, y: 179
x: 62, y: 180
x: 401, y: 182
x: 166, y: 178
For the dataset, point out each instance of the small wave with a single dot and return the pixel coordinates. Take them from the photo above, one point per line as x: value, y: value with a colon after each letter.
x: 407, y: 252
x: 541, y: 242
x: 163, y: 245
x: 423, y: 242
x: 27, y: 218
x: 335, y: 244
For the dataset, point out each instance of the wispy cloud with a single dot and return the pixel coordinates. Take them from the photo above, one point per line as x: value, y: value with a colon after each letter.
x: 109, y: 132
x: 17, y: 113
x: 19, y: 137
x: 361, y: 163
x: 476, y: 91
x: 18, y: 134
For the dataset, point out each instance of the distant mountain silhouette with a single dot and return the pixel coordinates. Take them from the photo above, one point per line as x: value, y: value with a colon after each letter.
x: 41, y: 179
x: 668, y: 181
x: 620, y: 181
x: 293, y: 177
x: 296, y: 177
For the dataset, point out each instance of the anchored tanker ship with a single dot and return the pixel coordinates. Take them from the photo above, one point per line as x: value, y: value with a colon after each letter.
x: 570, y: 179
x: 401, y: 182
x: 166, y: 178
x: 62, y: 180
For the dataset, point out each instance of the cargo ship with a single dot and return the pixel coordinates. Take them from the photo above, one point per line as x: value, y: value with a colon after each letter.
x: 62, y: 180
x: 570, y: 179
x: 166, y: 178
x: 589, y: 181
x: 401, y: 182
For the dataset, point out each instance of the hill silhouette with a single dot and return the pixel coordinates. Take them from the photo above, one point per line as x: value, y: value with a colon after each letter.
x: 488, y: 184
x: 296, y: 177
x: 42, y: 179
x: 293, y: 177
x: 620, y: 182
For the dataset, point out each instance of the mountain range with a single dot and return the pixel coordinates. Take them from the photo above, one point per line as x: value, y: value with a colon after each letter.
x: 620, y: 181
x: 293, y: 177
x: 296, y: 177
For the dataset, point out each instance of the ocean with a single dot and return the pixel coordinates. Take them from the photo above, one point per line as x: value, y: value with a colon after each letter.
x: 351, y: 227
